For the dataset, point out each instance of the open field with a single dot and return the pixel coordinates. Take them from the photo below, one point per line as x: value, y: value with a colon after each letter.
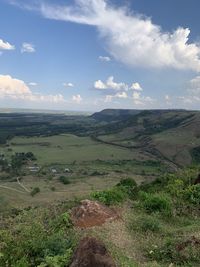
x: 67, y: 148
x: 92, y: 165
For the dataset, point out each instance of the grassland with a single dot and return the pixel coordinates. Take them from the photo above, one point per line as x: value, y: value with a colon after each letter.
x: 92, y: 165
x: 66, y: 148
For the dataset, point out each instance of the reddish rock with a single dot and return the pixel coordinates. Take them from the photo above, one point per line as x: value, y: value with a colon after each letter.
x: 92, y: 213
x: 91, y: 253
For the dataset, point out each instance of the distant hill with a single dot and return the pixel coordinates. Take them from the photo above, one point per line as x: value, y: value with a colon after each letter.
x: 114, y: 114
x: 171, y: 135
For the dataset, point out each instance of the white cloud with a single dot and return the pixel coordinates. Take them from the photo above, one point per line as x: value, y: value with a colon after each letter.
x: 138, y: 99
x: 131, y: 38
x: 27, y: 48
x: 109, y: 98
x: 68, y: 85
x: 110, y: 84
x: 77, y: 99
x: 11, y: 88
x: 121, y: 95
x: 104, y: 59
x: 136, y: 86
x: 6, y: 45
x: 33, y: 84
x: 100, y: 85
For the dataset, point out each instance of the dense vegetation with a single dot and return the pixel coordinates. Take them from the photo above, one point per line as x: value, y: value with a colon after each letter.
x: 164, y: 212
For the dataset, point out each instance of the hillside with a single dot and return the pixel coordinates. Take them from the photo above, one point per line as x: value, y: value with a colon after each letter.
x: 167, y: 134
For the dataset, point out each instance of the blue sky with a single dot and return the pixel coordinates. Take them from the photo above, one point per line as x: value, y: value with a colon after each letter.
x: 95, y: 54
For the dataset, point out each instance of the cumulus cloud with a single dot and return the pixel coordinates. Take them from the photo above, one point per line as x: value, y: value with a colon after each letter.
x: 11, y: 88
x: 77, y: 99
x: 136, y: 86
x: 27, y: 48
x: 110, y: 84
x: 132, y: 39
x: 68, y: 85
x: 138, y: 99
x: 104, y: 59
x: 121, y: 95
x: 6, y: 46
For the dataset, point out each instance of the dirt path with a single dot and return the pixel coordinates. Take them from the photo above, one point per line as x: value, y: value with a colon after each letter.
x: 23, y: 186
x: 10, y: 188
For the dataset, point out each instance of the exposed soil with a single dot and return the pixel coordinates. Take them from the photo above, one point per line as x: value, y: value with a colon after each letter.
x: 92, y: 213
x: 193, y: 241
x: 91, y: 253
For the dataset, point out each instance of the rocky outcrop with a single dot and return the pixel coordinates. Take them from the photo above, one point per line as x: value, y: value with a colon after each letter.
x: 91, y: 253
x: 92, y: 213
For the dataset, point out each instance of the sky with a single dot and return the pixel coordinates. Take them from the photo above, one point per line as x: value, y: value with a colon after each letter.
x: 88, y: 55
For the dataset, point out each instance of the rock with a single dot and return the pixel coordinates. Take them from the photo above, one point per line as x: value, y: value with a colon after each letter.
x: 91, y: 253
x: 92, y: 213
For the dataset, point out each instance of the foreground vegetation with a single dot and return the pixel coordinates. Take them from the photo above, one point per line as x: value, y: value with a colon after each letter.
x: 160, y: 226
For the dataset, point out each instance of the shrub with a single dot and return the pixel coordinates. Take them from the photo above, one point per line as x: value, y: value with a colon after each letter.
x: 111, y: 196
x: 129, y: 186
x: 35, y: 191
x: 176, y: 187
x: 155, y: 202
x: 34, y: 242
x: 64, y: 180
x: 192, y: 194
x: 127, y: 182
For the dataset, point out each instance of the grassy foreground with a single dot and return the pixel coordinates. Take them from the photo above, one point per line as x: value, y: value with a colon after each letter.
x: 159, y: 226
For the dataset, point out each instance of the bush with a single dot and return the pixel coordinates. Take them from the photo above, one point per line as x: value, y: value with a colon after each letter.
x: 192, y: 194
x: 32, y: 241
x: 35, y: 191
x: 155, y: 202
x: 129, y: 186
x: 110, y: 197
x: 127, y: 182
x: 64, y: 180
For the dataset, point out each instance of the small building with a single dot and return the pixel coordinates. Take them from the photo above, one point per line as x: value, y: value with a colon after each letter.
x: 33, y: 168
x: 54, y: 171
x: 67, y: 170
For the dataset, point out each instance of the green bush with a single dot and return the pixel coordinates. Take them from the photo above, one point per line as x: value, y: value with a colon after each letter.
x: 192, y: 194
x: 35, y: 191
x: 127, y: 182
x: 110, y: 197
x: 64, y: 180
x: 129, y: 186
x: 155, y: 202
x: 33, y: 242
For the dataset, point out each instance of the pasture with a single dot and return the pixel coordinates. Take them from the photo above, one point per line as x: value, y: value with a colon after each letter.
x: 66, y: 148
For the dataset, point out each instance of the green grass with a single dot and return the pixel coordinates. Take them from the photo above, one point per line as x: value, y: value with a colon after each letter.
x: 68, y: 148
